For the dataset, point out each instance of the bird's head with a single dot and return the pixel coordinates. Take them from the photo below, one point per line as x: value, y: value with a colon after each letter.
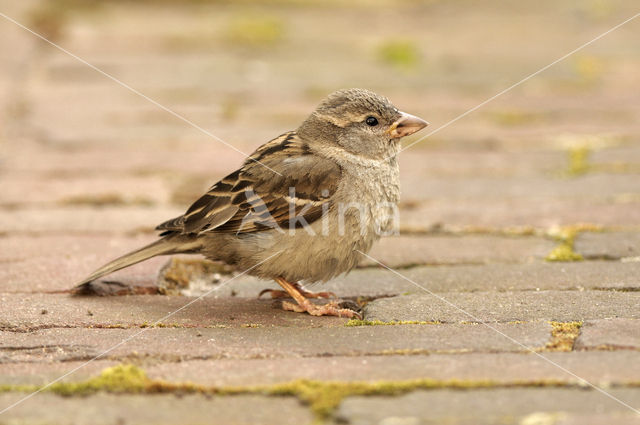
x: 360, y: 121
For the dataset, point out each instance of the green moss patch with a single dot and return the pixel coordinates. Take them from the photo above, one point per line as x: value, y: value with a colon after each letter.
x: 116, y: 379
x: 563, y: 252
x: 589, y: 69
x: 563, y: 336
x: 403, y: 54
x: 566, y: 237
x: 255, y: 31
x: 321, y: 396
x: 324, y: 397
x: 579, y: 160
x: 358, y: 322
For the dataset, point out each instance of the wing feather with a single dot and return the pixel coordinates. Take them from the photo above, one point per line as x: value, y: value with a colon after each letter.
x: 254, y: 198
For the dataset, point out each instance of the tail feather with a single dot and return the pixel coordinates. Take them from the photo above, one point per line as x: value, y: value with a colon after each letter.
x: 165, y: 246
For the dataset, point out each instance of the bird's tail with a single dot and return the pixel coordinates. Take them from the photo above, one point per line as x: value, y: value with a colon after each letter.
x: 165, y: 246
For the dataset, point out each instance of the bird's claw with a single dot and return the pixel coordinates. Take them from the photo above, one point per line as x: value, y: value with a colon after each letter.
x: 276, y: 293
x: 330, y: 309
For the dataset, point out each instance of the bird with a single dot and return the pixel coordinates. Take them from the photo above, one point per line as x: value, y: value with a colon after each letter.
x: 303, y: 206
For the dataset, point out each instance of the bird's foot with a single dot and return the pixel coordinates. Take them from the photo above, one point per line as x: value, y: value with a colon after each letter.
x: 331, y: 309
x: 276, y: 293
x: 303, y: 305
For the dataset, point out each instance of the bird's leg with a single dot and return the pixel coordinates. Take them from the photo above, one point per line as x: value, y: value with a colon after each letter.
x: 305, y: 306
x: 276, y: 293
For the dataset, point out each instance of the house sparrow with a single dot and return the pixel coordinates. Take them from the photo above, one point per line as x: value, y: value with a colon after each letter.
x: 303, y: 205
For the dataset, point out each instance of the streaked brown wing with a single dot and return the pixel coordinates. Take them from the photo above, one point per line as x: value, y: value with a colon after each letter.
x: 211, y: 209
x: 255, y: 198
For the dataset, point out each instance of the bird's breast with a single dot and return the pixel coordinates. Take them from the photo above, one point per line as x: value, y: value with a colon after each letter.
x: 375, y: 192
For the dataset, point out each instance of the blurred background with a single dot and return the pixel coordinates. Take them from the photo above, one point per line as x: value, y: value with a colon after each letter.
x: 81, y: 154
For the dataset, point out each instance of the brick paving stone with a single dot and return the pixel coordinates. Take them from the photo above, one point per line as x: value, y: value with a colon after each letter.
x: 29, y: 311
x: 500, y: 277
x: 46, y: 262
x: 458, y: 163
x: 595, y: 366
x: 587, y: 187
x: 61, y: 272
x: 15, y: 48
x: 614, y: 333
x: 610, y: 246
x: 376, y: 282
x: 69, y: 220
x: 604, y: 368
x: 496, y: 406
x: 69, y: 344
x: 411, y: 250
x: 623, y: 155
x: 505, y: 213
x: 111, y: 44
x: 57, y: 262
x: 21, y: 247
x: 24, y: 312
x: 128, y: 160
x: 115, y: 118
x: 503, y: 307
x: 43, y: 373
x: 156, y: 409
x: 49, y: 191
x: 130, y: 119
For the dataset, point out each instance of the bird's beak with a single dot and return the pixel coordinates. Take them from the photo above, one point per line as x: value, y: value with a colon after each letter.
x: 405, y: 125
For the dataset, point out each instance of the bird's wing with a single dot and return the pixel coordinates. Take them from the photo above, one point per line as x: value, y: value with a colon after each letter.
x: 255, y: 198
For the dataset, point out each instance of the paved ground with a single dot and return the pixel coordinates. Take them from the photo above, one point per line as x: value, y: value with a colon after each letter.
x: 475, y: 326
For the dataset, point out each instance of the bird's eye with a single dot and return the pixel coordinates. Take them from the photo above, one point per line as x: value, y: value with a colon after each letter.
x: 371, y: 121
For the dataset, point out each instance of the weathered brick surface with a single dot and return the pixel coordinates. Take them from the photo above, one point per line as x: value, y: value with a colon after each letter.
x: 541, y: 214
x: 30, y: 373
x: 625, y: 158
x: 64, y: 310
x: 157, y: 409
x: 619, y: 367
x: 609, y: 246
x: 498, y: 306
x: 164, y: 160
x: 611, y: 333
x: 56, y: 262
x: 50, y: 263
x: 45, y: 191
x: 60, y: 310
x: 375, y: 282
x: 67, y: 344
x: 600, y: 367
x: 402, y: 251
x: 539, y: 405
x: 454, y: 163
x: 79, y: 220
x: 588, y: 187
